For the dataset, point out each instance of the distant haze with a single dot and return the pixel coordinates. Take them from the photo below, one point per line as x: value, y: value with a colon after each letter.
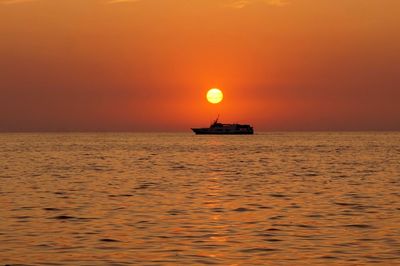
x: 146, y: 65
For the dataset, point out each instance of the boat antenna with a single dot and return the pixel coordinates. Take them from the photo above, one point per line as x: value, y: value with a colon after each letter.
x: 216, y: 120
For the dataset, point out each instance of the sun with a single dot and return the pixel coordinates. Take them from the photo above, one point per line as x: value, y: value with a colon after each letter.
x: 215, y: 95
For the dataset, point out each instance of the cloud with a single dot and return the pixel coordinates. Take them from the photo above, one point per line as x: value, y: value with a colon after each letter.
x: 244, y: 3
x: 230, y: 3
x: 10, y: 2
x: 121, y: 1
x: 277, y: 2
x: 238, y: 3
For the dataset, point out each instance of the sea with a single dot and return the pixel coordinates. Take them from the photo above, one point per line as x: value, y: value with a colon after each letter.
x: 274, y: 198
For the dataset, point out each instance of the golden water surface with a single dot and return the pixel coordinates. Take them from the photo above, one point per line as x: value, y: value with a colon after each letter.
x: 178, y: 199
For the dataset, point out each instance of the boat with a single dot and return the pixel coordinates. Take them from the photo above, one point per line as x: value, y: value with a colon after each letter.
x: 217, y: 128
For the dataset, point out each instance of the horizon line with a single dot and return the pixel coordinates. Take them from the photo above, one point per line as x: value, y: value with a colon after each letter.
x: 189, y: 132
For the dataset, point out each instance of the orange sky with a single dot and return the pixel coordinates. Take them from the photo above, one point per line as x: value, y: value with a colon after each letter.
x: 146, y: 65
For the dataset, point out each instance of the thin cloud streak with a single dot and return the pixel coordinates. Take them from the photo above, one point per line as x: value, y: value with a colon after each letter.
x: 231, y: 3
x: 278, y: 2
x: 121, y: 1
x: 243, y: 3
x: 11, y: 2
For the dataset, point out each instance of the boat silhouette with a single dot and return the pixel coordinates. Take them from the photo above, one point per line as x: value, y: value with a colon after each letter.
x: 217, y: 128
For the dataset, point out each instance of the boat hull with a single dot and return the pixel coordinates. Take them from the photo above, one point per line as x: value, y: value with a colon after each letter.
x: 207, y: 131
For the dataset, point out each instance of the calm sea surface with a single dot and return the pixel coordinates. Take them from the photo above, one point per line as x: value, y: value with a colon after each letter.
x: 178, y: 199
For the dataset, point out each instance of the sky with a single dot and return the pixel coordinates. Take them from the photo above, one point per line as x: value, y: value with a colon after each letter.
x: 146, y: 65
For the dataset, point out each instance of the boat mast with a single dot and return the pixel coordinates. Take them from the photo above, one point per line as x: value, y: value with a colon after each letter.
x: 215, y: 121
